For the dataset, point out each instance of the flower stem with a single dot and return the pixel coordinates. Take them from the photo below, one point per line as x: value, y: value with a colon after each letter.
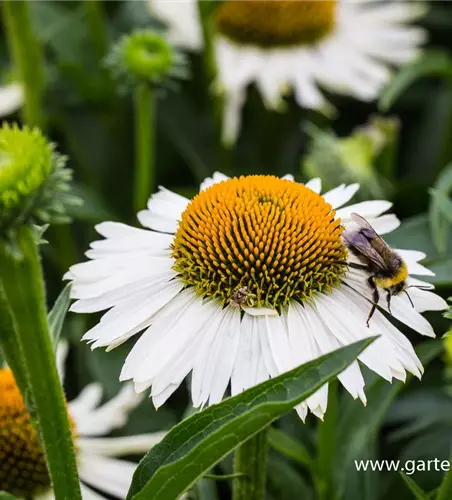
x: 22, y: 279
x: 28, y: 58
x: 210, y: 66
x: 323, y: 479
x: 251, y: 464
x: 95, y: 19
x: 144, y: 144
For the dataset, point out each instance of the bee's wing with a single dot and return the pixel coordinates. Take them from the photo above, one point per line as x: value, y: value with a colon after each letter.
x: 369, y: 231
x: 362, y: 244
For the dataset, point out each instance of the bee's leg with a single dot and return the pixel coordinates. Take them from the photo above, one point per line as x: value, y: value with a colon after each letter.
x: 375, y: 298
x: 388, y: 300
x: 354, y: 265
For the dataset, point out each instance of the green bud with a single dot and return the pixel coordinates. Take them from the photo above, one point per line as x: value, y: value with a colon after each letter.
x: 34, y: 182
x: 365, y: 157
x: 145, y: 57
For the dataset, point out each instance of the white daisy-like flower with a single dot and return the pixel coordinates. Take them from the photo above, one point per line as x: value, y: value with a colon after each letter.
x: 22, y: 465
x: 11, y: 98
x: 243, y: 283
x: 345, y: 46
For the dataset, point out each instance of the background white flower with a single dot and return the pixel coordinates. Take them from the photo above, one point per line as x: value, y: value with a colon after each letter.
x: 91, y: 421
x: 141, y: 276
x: 347, y: 47
x: 11, y: 98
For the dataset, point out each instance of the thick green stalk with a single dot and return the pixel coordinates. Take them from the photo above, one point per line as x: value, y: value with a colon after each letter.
x: 326, y: 447
x: 28, y: 58
x: 210, y: 66
x: 445, y: 490
x: 144, y: 144
x: 95, y: 19
x: 22, y: 279
x: 250, y: 463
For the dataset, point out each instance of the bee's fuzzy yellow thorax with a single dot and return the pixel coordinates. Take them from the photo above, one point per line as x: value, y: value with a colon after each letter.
x: 398, y: 277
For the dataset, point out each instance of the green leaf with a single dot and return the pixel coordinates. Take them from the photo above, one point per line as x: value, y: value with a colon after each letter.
x: 442, y: 269
x: 289, y: 446
x: 443, y: 202
x: 58, y: 313
x: 440, y: 214
x: 93, y: 208
x: 414, y: 233
x: 206, y: 490
x: 445, y: 489
x: 195, y: 445
x: 283, y: 480
x: 432, y: 63
x: 9, y: 342
x: 358, y: 425
x: 418, y: 493
x: 6, y: 496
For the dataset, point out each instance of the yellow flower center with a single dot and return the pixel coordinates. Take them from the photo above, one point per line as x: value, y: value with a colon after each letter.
x: 259, y: 241
x: 23, y: 470
x: 273, y: 23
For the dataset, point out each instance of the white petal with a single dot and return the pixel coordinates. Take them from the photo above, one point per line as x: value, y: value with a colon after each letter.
x: 169, y: 319
x: 351, y: 378
x: 399, y: 308
x: 260, y: 311
x: 210, y: 181
x: 182, y: 19
x: 119, y: 446
x: 246, y: 364
x: 132, y: 316
x: 11, y: 98
x: 424, y: 300
x: 314, y: 185
x: 382, y: 225
x: 48, y: 495
x: 411, y: 257
x: 110, y: 415
x: 85, y: 402
x: 200, y: 388
x: 216, y: 365
x: 340, y: 195
x: 106, y: 474
x: 61, y: 355
x: 226, y: 353
x: 89, y: 494
x: 365, y: 209
x: 232, y: 116
x: 183, y: 358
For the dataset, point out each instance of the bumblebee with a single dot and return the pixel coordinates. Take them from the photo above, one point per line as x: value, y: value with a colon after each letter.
x: 386, y: 267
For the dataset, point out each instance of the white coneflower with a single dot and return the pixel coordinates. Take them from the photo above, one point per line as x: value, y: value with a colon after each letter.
x: 11, y: 98
x: 23, y: 470
x: 243, y: 283
x: 348, y: 47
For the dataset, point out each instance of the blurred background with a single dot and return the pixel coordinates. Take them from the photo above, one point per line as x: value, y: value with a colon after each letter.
x: 398, y: 147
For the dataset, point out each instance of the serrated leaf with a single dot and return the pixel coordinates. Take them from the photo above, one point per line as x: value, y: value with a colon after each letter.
x: 196, y: 444
x: 289, y: 446
x: 418, y: 493
x: 58, y: 313
x: 432, y: 63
